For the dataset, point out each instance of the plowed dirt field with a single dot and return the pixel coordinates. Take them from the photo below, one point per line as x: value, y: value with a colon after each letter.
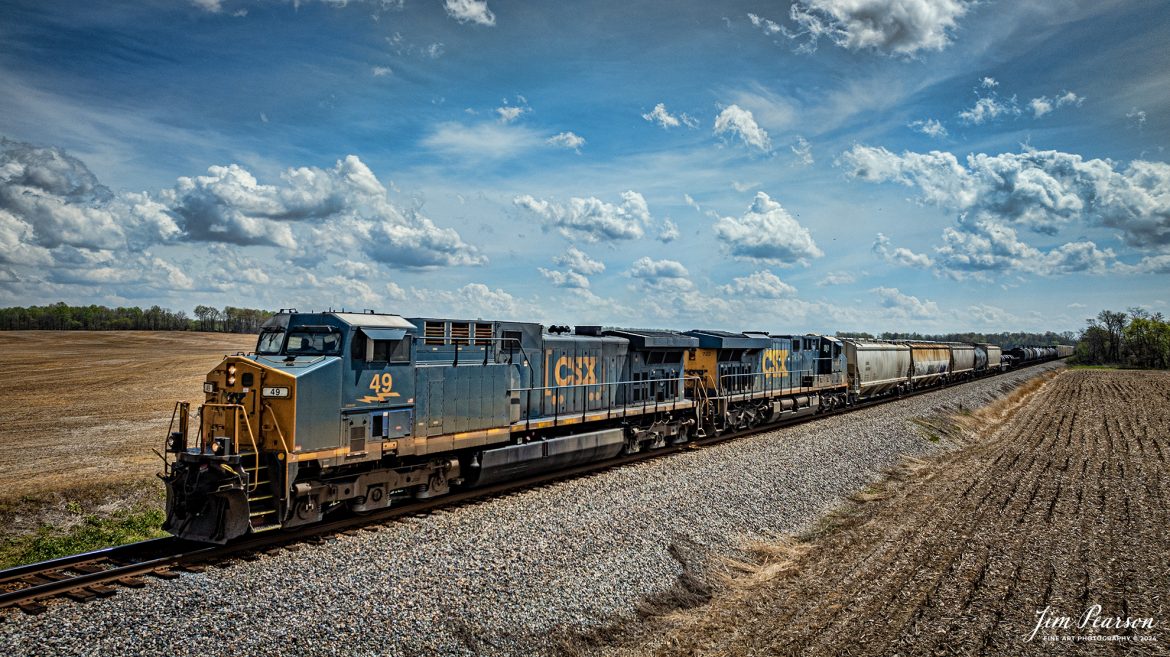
x: 82, y: 409
x: 1060, y: 503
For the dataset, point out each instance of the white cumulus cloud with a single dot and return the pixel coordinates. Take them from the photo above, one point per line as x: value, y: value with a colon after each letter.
x: 668, y: 231
x: 766, y: 233
x: 1044, y: 105
x: 567, y: 140
x: 989, y: 108
x: 900, y: 255
x: 1039, y: 190
x: 592, y: 219
x: 662, y: 117
x: 470, y: 11
x: 578, y: 266
x: 762, y: 284
x: 893, y: 27
x: 575, y: 259
x: 666, y: 274
x: 739, y: 122
x: 903, y: 305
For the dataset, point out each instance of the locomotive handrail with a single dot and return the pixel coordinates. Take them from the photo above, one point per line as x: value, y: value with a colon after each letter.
x: 276, y: 425
x: 237, y: 410
x: 768, y: 383
x: 557, y: 391
x: 181, y: 411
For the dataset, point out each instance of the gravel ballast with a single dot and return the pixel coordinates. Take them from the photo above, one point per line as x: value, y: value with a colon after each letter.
x: 498, y: 577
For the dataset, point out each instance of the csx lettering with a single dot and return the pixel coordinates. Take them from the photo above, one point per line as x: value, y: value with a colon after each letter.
x: 774, y: 361
x: 575, y: 370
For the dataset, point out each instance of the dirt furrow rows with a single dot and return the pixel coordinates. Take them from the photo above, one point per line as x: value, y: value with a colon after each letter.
x: 1059, y: 509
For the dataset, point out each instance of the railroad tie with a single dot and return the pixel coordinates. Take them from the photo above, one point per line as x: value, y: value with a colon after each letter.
x: 32, y: 607
x: 80, y: 595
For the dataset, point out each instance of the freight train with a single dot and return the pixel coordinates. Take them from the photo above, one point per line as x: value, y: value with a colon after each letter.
x: 360, y: 411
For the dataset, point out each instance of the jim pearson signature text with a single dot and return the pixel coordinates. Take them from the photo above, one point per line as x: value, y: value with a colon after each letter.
x: 1046, y: 619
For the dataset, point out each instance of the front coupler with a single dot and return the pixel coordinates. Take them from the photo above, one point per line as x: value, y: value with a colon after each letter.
x: 206, y: 501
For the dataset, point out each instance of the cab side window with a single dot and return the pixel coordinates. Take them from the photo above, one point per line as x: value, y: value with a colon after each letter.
x: 391, y: 351
x: 381, y: 351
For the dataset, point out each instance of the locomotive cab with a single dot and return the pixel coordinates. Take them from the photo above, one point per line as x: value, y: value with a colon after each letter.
x: 323, y: 392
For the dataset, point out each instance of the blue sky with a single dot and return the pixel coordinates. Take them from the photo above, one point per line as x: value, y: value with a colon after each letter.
x: 823, y: 165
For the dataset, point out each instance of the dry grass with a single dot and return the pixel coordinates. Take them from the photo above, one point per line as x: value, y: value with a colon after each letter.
x: 81, y: 411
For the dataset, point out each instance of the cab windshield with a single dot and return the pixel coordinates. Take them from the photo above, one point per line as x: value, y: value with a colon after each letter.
x: 271, y: 340
x: 313, y: 341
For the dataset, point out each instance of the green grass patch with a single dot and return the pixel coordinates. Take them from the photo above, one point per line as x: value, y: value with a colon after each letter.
x: 93, y: 533
x: 1093, y: 367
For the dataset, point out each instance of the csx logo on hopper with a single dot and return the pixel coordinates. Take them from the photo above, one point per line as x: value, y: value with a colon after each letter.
x: 575, y: 370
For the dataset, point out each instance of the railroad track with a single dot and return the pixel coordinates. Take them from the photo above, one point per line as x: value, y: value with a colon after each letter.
x: 100, y: 574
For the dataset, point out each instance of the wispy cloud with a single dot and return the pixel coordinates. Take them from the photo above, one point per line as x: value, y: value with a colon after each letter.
x: 489, y: 141
x: 930, y: 128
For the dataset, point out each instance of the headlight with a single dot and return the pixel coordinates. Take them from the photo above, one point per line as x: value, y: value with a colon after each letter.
x: 208, y: 387
x: 274, y: 392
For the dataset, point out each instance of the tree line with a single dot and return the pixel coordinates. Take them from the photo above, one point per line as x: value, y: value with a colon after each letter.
x: 1005, y: 339
x: 1135, y: 338
x: 63, y: 317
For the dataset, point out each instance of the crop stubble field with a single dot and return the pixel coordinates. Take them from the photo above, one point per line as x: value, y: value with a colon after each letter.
x: 81, y: 410
x: 1061, y: 501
